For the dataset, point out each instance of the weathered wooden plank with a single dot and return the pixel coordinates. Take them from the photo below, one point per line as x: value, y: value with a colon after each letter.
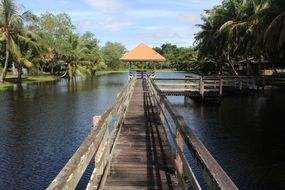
x: 217, y: 177
x: 70, y: 175
x: 133, y: 188
x: 214, y: 175
x: 142, y: 158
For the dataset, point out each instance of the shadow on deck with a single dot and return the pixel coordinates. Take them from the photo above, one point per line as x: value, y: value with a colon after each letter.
x: 142, y: 158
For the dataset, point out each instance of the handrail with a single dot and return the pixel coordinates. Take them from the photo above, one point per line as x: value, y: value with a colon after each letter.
x: 206, y: 85
x: 72, y: 172
x: 212, y: 172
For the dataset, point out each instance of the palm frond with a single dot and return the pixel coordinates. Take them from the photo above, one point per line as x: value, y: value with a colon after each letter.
x: 17, y: 55
x: 28, y: 41
x: 8, y: 9
x: 15, y: 22
x: 226, y: 26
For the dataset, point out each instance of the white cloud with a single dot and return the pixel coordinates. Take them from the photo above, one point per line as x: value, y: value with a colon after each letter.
x: 153, y: 28
x: 83, y: 13
x: 189, y: 19
x: 151, y: 13
x: 104, y: 5
x: 85, y: 26
x: 111, y: 25
x: 166, y: 35
x: 115, y: 25
x: 108, y: 15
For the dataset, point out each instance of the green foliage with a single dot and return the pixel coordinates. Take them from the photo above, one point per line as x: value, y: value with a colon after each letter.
x: 181, y: 59
x: 112, y: 52
x: 11, y: 36
x: 62, y: 50
x: 46, y: 43
x: 239, y: 29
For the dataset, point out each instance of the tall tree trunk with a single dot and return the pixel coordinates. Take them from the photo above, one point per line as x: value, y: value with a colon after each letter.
x: 231, y: 64
x: 42, y: 69
x: 19, y: 73
x: 247, y: 65
x: 4, y: 72
x: 52, y: 70
x: 220, y: 66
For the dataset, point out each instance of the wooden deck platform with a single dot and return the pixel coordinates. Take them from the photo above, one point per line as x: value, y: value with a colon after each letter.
x: 142, y: 158
x: 130, y: 149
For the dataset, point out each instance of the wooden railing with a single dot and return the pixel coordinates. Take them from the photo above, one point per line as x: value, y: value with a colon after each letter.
x: 141, y: 73
x: 205, y: 85
x: 270, y: 80
x: 100, y: 144
x: 181, y: 137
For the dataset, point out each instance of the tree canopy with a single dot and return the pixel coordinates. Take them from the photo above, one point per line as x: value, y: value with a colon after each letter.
x: 241, y: 29
x: 49, y: 43
x: 230, y: 32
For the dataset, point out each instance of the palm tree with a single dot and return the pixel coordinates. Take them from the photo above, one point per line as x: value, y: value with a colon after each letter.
x: 208, y: 42
x: 274, y: 37
x: 235, y: 29
x: 78, y: 58
x: 11, y: 24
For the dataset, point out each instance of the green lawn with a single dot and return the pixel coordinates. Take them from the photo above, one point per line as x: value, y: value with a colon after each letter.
x: 12, y: 79
x: 41, y: 78
x: 100, y: 73
x: 5, y: 85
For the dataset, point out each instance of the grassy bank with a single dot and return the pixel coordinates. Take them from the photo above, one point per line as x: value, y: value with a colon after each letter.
x: 11, y: 80
x: 101, y: 73
x: 5, y: 85
x: 41, y: 78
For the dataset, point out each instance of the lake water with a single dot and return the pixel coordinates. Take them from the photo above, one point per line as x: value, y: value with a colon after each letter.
x: 42, y: 125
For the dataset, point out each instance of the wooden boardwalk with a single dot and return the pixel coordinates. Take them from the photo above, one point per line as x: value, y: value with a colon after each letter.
x: 142, y: 158
x: 130, y: 149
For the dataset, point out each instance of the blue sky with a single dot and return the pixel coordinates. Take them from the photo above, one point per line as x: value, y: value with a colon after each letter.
x: 130, y: 21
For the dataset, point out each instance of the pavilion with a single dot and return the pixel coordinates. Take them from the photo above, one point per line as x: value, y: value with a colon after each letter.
x: 142, y: 53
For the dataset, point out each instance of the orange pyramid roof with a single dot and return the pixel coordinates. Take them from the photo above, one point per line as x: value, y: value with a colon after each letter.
x: 142, y: 53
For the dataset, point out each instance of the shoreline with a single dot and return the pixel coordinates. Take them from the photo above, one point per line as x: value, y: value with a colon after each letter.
x: 12, y: 79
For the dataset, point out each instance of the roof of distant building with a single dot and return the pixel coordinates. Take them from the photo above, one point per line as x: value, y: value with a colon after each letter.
x: 142, y: 53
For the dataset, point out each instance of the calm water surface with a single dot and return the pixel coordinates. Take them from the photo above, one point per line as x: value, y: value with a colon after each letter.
x: 245, y: 134
x: 42, y: 125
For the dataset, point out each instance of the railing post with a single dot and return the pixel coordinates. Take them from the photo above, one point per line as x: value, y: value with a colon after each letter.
x: 202, y: 87
x: 221, y: 87
x: 162, y: 106
x: 96, y: 119
x: 263, y: 83
x: 178, y: 160
x: 99, y: 157
x: 254, y: 86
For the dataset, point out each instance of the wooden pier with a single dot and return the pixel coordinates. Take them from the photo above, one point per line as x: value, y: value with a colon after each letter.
x: 141, y: 142
x: 216, y: 86
x: 142, y: 158
x: 205, y: 86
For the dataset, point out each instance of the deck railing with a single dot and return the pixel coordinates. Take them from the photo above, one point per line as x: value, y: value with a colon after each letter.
x: 100, y: 144
x: 181, y: 137
x: 203, y: 86
x: 141, y: 73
